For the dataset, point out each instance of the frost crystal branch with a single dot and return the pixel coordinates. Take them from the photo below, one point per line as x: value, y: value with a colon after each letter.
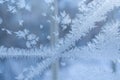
x: 90, y: 13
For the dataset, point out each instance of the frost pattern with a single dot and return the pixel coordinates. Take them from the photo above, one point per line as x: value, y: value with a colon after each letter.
x: 89, y: 14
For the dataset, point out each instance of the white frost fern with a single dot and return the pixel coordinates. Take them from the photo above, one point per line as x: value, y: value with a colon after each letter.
x: 89, y: 14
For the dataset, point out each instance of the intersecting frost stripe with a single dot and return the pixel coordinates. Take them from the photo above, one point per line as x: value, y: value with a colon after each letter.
x: 98, y: 15
x: 77, y: 32
x: 83, y: 28
x: 100, y: 47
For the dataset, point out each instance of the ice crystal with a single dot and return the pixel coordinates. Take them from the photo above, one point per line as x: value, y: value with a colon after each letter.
x: 92, y: 13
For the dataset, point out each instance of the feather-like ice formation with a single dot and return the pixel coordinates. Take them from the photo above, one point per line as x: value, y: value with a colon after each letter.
x: 89, y: 14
